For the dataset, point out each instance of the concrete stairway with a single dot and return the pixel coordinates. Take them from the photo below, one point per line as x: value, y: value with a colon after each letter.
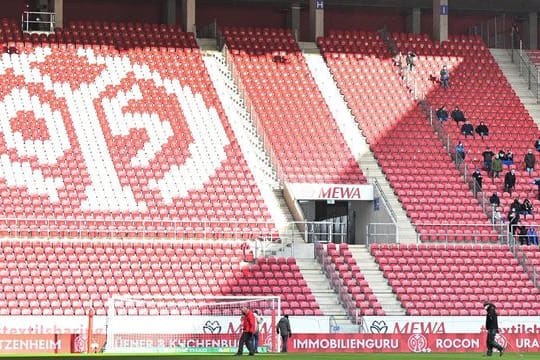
x: 518, y: 82
x: 320, y: 287
x: 381, y: 289
x: 354, y: 138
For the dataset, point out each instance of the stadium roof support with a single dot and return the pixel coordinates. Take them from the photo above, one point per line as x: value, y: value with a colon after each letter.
x: 440, y: 20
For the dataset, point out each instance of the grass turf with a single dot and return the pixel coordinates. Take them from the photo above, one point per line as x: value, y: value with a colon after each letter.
x: 295, y: 356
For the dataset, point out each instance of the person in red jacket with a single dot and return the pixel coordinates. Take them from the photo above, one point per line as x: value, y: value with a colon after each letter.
x: 248, y: 328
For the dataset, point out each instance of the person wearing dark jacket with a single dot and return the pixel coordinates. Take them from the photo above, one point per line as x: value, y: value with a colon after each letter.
x: 467, y: 129
x: 458, y: 115
x: 513, y: 221
x: 482, y: 129
x: 487, y: 155
x: 477, y: 181
x: 284, y: 329
x: 530, y: 161
x: 492, y: 327
x: 248, y: 328
x: 494, y: 200
x: 442, y: 113
x: 510, y: 181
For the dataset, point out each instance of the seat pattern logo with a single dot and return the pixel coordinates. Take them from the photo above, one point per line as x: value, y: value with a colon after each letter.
x: 103, y: 133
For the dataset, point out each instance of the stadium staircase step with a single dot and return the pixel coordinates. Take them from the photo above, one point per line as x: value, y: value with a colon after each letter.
x: 377, y: 282
x: 253, y: 150
x: 518, y: 82
x: 357, y: 142
x: 320, y: 287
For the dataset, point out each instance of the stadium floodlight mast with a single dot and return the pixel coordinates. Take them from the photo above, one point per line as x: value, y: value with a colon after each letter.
x: 160, y: 324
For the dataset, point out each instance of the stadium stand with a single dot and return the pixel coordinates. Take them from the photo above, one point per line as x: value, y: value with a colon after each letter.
x: 474, y: 71
x: 69, y: 277
x: 430, y: 279
x: 405, y: 145
x: 291, y: 114
x: 131, y: 82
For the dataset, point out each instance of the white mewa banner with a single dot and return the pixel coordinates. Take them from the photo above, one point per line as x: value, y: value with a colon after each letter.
x: 447, y: 324
x: 150, y: 324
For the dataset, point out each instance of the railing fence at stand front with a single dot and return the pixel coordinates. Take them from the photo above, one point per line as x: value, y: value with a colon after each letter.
x: 38, y: 21
x: 381, y: 233
x: 463, y: 233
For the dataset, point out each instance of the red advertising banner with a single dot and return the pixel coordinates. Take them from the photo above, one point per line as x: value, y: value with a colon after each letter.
x: 35, y: 343
x: 409, y: 342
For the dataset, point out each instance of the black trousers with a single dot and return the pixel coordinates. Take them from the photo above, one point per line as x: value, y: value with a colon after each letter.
x: 245, y: 339
x: 491, y: 343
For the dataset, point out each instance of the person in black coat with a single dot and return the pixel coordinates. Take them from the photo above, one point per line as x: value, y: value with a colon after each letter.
x: 510, y: 181
x: 458, y: 115
x: 494, y: 200
x: 492, y: 327
x: 513, y: 221
x: 482, y: 129
x: 467, y: 129
x: 477, y: 180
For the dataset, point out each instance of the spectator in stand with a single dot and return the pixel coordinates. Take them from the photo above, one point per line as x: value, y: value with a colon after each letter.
x: 248, y: 328
x: 284, y: 329
x: 496, y: 166
x: 515, y: 206
x: 526, y: 207
x: 482, y: 130
x: 533, y: 236
x: 458, y: 115
x: 492, y: 327
x: 510, y: 181
x: 467, y: 129
x: 537, y: 144
x: 410, y: 60
x: 513, y: 221
x: 530, y: 161
x: 258, y: 320
x: 442, y: 113
x: 445, y: 77
x: 494, y: 200
x: 508, y: 158
x: 502, y: 154
x: 460, y: 152
x: 487, y: 155
x: 477, y: 181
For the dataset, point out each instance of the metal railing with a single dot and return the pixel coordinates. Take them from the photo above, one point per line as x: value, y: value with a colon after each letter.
x: 469, y: 233
x: 38, y: 21
x: 528, y: 70
x: 261, y: 131
x: 496, y: 32
x: 381, y: 233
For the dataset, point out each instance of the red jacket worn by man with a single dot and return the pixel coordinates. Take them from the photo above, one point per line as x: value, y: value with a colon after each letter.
x: 248, y: 328
x: 248, y: 321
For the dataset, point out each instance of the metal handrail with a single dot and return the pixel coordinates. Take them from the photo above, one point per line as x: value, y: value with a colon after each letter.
x: 38, y: 21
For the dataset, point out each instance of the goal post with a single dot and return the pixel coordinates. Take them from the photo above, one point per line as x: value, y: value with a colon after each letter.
x: 156, y: 324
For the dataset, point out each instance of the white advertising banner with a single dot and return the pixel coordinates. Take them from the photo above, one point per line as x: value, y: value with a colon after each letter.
x: 308, y: 191
x: 447, y: 324
x: 150, y: 324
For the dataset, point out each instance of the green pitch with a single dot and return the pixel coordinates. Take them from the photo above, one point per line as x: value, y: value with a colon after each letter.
x: 295, y: 356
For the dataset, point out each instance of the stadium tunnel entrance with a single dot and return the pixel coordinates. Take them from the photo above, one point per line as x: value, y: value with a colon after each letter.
x: 352, y: 214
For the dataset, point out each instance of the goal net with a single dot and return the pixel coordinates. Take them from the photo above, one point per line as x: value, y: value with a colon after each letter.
x: 155, y: 324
